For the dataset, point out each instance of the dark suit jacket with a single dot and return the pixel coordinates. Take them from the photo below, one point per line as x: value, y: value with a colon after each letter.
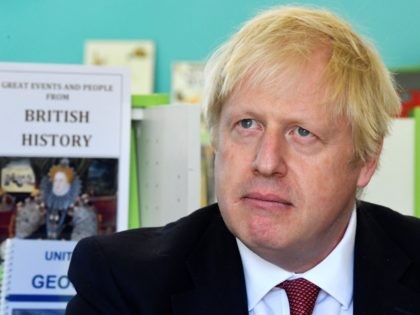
x: 193, y: 267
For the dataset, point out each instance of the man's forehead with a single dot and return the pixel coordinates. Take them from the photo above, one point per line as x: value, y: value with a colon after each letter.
x: 292, y: 91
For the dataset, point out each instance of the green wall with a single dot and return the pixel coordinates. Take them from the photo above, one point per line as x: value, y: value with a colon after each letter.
x: 54, y: 31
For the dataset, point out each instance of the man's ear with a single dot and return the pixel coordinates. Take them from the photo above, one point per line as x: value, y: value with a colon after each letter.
x: 369, y: 168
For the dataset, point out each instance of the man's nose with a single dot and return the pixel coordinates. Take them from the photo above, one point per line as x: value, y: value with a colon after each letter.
x: 270, y: 156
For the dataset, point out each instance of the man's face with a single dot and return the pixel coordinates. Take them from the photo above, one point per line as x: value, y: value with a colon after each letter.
x: 284, y: 181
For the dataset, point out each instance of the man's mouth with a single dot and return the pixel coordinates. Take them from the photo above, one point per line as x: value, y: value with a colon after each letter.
x: 266, y: 200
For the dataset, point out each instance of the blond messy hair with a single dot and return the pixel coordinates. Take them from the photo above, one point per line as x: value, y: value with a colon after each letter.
x: 282, y: 39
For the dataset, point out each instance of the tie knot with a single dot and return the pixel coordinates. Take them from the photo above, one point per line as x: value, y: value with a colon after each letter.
x: 302, y: 295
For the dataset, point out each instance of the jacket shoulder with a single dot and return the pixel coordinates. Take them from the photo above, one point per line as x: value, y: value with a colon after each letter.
x: 111, y: 272
x: 175, y: 238
x: 404, y: 230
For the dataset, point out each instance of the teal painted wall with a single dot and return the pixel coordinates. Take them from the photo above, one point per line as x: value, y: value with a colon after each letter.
x: 54, y: 31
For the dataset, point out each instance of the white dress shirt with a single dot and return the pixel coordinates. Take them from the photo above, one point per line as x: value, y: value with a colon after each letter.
x: 334, y: 275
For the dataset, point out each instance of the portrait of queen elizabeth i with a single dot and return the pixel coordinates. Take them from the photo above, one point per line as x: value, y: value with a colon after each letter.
x: 57, y: 210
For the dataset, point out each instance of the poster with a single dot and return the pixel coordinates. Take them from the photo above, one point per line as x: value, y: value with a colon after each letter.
x: 187, y: 82
x: 136, y: 55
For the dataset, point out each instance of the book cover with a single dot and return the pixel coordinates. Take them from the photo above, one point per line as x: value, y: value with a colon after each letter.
x: 44, y: 288
x: 64, y: 158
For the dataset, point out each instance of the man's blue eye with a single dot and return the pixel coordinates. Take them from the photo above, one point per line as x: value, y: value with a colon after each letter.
x: 246, y: 123
x: 303, y: 132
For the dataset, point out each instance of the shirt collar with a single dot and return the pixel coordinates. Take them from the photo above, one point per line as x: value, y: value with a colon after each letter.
x: 334, y: 275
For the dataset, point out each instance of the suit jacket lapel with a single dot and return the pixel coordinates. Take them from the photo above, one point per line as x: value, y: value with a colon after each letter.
x: 378, y: 269
x: 216, y: 271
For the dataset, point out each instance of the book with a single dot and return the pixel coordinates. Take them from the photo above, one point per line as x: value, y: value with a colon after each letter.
x: 64, y: 159
x: 64, y: 163
x: 44, y: 288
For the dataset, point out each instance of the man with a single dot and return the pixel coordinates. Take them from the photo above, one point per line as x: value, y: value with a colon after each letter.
x: 298, y: 106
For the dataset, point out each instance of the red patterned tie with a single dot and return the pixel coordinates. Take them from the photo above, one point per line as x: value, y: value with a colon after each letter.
x: 302, y: 295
